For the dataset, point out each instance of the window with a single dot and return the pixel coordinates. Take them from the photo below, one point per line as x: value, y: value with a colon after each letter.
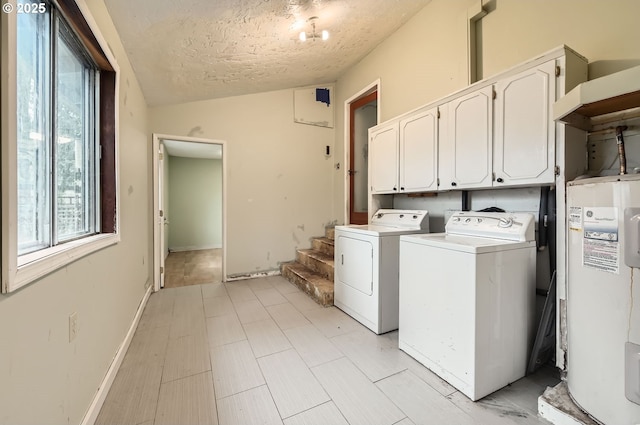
x: 59, y: 126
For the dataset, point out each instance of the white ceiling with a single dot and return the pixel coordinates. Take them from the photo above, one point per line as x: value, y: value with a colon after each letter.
x: 204, y: 49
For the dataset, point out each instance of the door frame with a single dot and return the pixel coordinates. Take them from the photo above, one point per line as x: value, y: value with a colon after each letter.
x: 368, y: 89
x: 158, y: 255
x: 357, y: 217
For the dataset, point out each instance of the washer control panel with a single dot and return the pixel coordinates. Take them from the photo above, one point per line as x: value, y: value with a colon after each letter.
x: 495, y: 225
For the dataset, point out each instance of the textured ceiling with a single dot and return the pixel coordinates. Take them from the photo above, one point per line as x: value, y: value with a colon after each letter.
x: 203, y: 49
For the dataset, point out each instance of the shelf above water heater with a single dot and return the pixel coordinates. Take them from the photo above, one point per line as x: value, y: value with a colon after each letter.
x: 616, y: 94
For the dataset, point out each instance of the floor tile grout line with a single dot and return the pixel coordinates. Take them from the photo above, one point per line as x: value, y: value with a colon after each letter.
x: 242, y: 392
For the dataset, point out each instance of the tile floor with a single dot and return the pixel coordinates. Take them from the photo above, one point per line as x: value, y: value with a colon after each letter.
x: 261, y: 352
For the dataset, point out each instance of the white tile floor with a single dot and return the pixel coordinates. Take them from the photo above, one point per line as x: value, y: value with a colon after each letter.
x: 261, y: 352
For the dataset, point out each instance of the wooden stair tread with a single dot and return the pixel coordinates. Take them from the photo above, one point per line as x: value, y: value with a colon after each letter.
x: 312, y: 270
x: 314, y: 284
x: 317, y: 255
x: 326, y: 240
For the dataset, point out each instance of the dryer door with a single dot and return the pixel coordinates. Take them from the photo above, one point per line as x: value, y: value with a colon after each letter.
x: 354, y: 263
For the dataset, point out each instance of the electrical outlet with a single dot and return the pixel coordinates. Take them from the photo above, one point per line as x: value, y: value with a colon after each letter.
x: 73, y: 326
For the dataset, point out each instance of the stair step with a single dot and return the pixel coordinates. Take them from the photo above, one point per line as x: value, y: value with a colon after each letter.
x: 316, y: 286
x: 329, y: 232
x: 317, y: 261
x: 325, y: 245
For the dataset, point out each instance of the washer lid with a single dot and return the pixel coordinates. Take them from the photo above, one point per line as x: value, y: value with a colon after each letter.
x: 470, y: 244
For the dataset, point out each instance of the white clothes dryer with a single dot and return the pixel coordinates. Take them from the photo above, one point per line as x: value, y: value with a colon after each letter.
x: 467, y: 299
x: 366, y: 266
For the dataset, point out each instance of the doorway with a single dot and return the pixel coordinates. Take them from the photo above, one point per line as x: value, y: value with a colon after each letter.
x: 189, y: 213
x: 362, y: 114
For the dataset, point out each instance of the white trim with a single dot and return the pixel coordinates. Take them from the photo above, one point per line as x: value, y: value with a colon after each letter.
x: 374, y: 86
x: 58, y: 256
x: 104, y: 45
x: 8, y: 124
x: 98, y: 400
x: 194, y: 248
x: 234, y: 278
x: 157, y: 138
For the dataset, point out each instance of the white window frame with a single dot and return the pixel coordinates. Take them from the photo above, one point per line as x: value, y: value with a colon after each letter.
x: 16, y: 272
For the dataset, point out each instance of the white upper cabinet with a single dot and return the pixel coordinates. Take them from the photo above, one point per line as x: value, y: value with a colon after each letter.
x: 383, y: 159
x: 524, y: 144
x: 499, y: 132
x: 419, y: 152
x: 466, y: 151
x: 404, y: 154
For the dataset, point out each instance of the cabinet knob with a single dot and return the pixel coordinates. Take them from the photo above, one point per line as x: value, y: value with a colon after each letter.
x: 395, y: 188
x: 499, y: 180
x: 454, y: 184
x: 402, y: 188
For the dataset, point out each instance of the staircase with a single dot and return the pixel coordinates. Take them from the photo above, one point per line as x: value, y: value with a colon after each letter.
x: 312, y: 271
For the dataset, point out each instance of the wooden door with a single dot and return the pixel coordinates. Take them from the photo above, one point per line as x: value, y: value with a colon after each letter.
x: 363, y: 115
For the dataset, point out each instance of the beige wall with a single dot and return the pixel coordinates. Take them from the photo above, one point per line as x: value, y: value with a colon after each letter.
x: 44, y: 379
x: 279, y: 186
x: 426, y: 59
x: 195, y: 208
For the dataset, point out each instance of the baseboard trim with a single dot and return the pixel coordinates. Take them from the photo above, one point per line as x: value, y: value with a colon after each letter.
x: 194, y: 248
x: 94, y: 409
x: 232, y: 278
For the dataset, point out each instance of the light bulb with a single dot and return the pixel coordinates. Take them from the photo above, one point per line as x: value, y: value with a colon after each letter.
x: 303, y: 36
x: 325, y: 35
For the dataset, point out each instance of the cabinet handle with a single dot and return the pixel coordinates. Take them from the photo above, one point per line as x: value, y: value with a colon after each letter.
x: 402, y: 188
x: 499, y: 180
x: 454, y: 184
x: 395, y: 188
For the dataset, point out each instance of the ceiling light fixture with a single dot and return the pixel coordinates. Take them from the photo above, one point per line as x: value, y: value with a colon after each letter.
x: 324, y: 34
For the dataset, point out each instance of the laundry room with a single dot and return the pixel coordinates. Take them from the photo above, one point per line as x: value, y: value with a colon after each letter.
x: 426, y: 212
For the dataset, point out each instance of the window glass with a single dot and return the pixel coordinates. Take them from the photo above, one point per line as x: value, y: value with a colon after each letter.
x: 57, y: 121
x: 74, y: 140
x: 33, y: 129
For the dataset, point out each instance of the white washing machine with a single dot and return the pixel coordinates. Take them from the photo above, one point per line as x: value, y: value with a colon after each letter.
x: 467, y: 299
x: 366, y: 266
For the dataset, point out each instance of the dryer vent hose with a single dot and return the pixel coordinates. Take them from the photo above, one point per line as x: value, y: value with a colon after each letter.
x: 621, y: 153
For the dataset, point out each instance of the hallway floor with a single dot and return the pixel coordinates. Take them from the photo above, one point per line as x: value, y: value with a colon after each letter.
x: 184, y: 268
x: 260, y: 351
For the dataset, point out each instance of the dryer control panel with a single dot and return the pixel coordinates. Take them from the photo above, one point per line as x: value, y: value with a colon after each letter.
x: 406, y: 219
x: 494, y: 225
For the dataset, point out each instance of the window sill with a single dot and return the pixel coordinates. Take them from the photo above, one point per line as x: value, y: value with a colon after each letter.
x: 33, y: 266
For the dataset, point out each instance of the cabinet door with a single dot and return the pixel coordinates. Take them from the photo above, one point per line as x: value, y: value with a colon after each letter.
x: 383, y: 159
x: 419, y: 152
x: 466, y: 152
x: 525, y: 131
